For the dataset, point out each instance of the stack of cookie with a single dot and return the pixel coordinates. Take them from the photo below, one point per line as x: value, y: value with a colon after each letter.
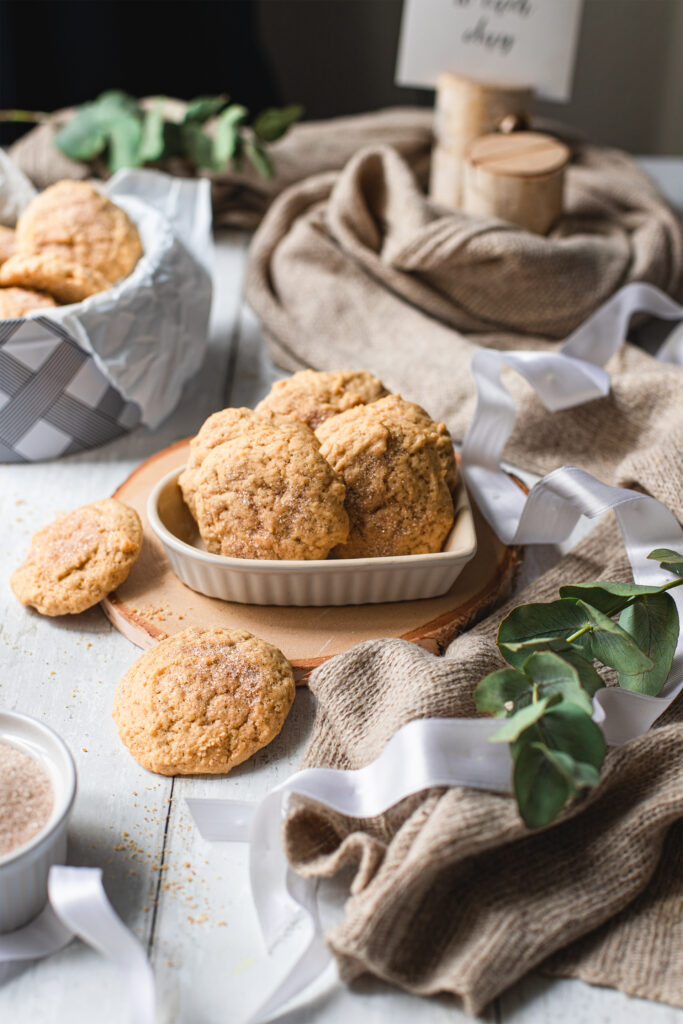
x: 326, y: 464
x: 71, y: 242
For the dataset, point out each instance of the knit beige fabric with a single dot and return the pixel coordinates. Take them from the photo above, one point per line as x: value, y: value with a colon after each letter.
x: 451, y: 892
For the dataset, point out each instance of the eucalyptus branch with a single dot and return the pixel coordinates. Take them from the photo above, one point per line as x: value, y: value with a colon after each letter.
x: 545, y: 694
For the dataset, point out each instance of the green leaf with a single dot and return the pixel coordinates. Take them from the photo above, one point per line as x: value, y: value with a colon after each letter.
x: 653, y: 624
x: 611, y: 644
x: 522, y: 720
x: 83, y: 137
x: 505, y: 686
x: 196, y: 144
x: 566, y: 727
x: 552, y: 621
x: 272, y: 124
x: 670, y: 560
x: 606, y: 597
x: 541, y: 790
x: 125, y: 136
x: 517, y: 654
x: 227, y: 137
x: 113, y: 101
x: 259, y: 158
x: 152, y: 142
x: 202, y: 108
x: 553, y: 675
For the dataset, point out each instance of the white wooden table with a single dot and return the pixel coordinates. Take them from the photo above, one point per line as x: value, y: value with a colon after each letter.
x: 188, y: 900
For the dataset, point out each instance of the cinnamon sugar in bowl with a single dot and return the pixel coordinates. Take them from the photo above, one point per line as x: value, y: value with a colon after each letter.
x: 37, y: 792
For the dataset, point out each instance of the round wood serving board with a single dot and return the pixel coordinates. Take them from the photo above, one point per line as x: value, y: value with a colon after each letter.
x: 153, y: 603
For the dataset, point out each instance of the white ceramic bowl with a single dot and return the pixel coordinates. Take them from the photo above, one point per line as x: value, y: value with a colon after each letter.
x: 24, y: 871
x: 334, y: 581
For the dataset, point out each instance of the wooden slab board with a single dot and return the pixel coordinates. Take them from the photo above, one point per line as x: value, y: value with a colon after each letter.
x: 153, y: 603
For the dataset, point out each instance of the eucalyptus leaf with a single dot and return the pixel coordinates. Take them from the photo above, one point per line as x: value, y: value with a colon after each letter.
x: 611, y: 644
x: 112, y: 101
x: 196, y: 144
x: 566, y: 727
x: 653, y: 624
x: 272, y: 124
x: 670, y: 560
x: 541, y: 790
x: 152, y: 142
x: 608, y: 598
x: 125, y: 136
x: 553, y: 675
x: 505, y: 686
x: 83, y: 137
x: 227, y: 137
x: 202, y: 108
x: 521, y: 720
x: 553, y: 621
x: 259, y: 158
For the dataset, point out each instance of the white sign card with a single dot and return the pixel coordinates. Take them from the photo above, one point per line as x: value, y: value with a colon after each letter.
x: 499, y: 42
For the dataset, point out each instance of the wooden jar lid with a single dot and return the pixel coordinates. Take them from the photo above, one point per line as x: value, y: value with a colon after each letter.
x: 520, y: 154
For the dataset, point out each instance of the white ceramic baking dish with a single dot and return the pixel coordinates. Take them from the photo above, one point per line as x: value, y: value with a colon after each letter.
x: 334, y: 581
x: 24, y: 871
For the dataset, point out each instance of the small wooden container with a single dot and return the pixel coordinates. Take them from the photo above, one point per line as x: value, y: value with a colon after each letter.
x: 517, y: 177
x: 465, y: 110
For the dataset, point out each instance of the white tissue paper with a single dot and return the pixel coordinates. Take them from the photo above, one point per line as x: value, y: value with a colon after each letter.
x: 77, y: 376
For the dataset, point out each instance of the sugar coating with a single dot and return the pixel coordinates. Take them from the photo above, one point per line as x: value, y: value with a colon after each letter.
x: 26, y: 798
x: 75, y: 222
x: 17, y: 302
x: 269, y: 493
x: 203, y: 701
x: 63, y: 279
x: 394, y: 462
x: 220, y: 427
x: 313, y: 396
x: 80, y: 558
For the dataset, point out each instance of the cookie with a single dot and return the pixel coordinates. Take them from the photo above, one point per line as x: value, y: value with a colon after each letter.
x: 269, y: 493
x: 51, y: 272
x: 220, y: 427
x: 203, y: 701
x: 80, y: 558
x: 77, y: 223
x: 312, y: 397
x: 397, y: 496
x: 17, y: 302
x: 7, y: 243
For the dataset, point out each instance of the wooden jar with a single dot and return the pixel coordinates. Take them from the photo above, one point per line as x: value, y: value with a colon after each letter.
x: 465, y: 110
x: 518, y: 178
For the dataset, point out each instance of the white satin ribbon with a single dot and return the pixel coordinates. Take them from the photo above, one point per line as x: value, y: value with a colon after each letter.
x: 78, y: 906
x: 446, y: 752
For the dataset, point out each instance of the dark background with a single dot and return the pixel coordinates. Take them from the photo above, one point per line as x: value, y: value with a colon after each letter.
x: 333, y: 56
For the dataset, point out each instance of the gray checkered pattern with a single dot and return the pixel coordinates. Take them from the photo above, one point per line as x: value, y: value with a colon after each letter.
x: 53, y: 399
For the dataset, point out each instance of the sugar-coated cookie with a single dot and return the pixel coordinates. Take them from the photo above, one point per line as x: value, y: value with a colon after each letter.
x: 203, y: 701
x: 269, y: 493
x: 390, y: 455
x: 220, y: 427
x: 80, y: 558
x: 17, y: 302
x: 74, y: 221
x: 53, y: 273
x: 313, y: 396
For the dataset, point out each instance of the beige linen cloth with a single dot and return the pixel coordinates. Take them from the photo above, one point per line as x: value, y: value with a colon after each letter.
x: 451, y: 892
